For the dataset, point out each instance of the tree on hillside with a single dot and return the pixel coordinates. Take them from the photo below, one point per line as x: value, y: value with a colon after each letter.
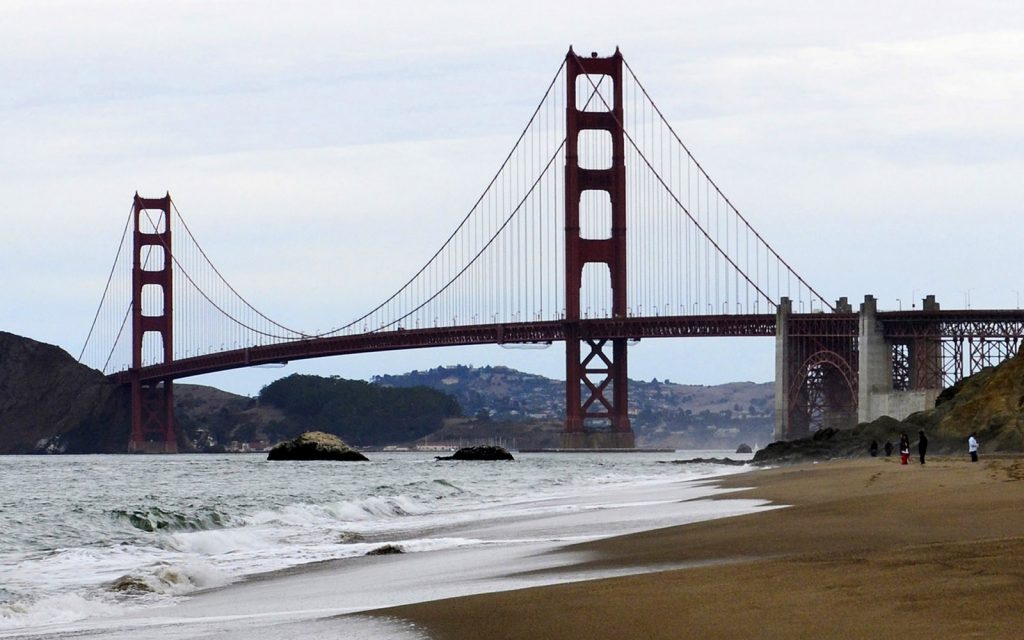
x: 358, y: 411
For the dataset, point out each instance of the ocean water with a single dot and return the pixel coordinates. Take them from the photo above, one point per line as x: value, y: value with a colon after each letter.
x: 103, y: 545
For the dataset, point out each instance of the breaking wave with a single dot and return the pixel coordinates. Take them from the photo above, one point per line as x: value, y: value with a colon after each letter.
x: 154, y: 519
x: 345, y: 511
x: 169, y: 580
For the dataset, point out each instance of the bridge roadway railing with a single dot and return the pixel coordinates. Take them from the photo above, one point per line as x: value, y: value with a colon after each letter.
x: 954, y: 323
x: 948, y: 324
x: 749, y: 325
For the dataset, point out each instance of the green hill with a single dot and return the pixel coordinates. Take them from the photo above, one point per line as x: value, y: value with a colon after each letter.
x: 359, y: 412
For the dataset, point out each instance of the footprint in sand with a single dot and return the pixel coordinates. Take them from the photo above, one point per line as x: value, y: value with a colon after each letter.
x: 1015, y: 471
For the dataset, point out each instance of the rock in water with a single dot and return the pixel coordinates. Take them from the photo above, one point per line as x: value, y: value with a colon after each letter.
x: 479, y: 453
x: 131, y: 584
x: 315, y: 445
x: 744, y: 448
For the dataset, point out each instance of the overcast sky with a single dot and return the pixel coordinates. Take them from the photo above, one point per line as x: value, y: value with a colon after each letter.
x: 879, y: 146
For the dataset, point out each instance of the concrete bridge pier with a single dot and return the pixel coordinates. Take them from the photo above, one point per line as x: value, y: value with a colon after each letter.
x: 782, y: 369
x: 897, y: 376
x: 874, y: 369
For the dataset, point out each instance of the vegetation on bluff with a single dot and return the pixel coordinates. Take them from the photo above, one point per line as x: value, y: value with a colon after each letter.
x: 358, y: 411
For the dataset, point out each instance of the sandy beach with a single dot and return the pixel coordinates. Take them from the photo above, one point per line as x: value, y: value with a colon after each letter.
x: 866, y: 549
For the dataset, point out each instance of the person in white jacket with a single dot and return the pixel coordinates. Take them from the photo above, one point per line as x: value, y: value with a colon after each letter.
x: 972, y: 447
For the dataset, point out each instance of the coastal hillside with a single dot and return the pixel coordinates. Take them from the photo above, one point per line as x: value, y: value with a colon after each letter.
x: 49, y: 403
x: 360, y: 413
x: 989, y: 403
x: 665, y: 414
x: 212, y: 420
x: 449, y: 405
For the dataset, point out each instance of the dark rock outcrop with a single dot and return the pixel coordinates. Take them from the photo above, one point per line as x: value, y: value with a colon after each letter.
x: 385, y: 550
x: 49, y: 403
x: 826, y: 444
x: 485, y: 452
x: 315, y: 445
x: 744, y: 448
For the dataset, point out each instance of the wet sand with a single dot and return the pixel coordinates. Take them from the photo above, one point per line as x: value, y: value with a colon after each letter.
x: 866, y: 549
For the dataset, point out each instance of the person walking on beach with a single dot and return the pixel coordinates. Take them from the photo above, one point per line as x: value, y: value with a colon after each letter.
x: 888, y: 448
x: 922, y: 444
x: 873, y: 448
x: 972, y: 447
x: 904, y: 448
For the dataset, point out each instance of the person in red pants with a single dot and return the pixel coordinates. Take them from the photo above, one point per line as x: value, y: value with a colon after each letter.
x: 904, y: 448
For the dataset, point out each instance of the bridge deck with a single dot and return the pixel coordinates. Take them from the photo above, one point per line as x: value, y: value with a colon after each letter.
x: 752, y: 325
x: 1007, y: 323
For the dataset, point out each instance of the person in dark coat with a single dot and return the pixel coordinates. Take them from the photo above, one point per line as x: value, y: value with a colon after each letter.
x: 873, y: 448
x: 888, y: 448
x: 922, y: 444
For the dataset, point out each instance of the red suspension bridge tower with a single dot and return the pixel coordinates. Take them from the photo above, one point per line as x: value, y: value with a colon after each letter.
x: 152, y: 400
x: 601, y: 419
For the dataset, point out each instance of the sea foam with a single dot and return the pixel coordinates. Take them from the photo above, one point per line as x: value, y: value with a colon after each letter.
x: 108, y: 545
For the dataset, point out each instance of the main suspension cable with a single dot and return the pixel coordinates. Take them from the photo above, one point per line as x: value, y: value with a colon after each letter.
x: 712, y: 182
x: 493, y: 180
x: 184, y: 224
x: 479, y: 253
x: 106, y: 288
x: 673, y: 195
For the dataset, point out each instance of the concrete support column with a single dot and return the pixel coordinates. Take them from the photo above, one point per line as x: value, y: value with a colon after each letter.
x: 783, y: 370
x: 925, y: 355
x: 874, y: 361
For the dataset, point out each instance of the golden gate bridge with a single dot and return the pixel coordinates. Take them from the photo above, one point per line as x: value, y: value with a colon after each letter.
x: 599, y: 228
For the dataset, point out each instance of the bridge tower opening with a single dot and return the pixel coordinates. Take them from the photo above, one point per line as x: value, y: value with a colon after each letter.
x: 152, y: 401
x: 597, y: 392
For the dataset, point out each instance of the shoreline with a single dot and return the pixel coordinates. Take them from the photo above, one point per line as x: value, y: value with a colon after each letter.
x: 520, y: 545
x: 866, y: 548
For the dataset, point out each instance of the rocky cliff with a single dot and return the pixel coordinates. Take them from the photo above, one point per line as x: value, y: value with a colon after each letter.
x: 989, y: 403
x: 49, y: 403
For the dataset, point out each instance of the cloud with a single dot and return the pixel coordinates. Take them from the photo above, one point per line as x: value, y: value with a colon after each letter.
x: 874, y: 145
